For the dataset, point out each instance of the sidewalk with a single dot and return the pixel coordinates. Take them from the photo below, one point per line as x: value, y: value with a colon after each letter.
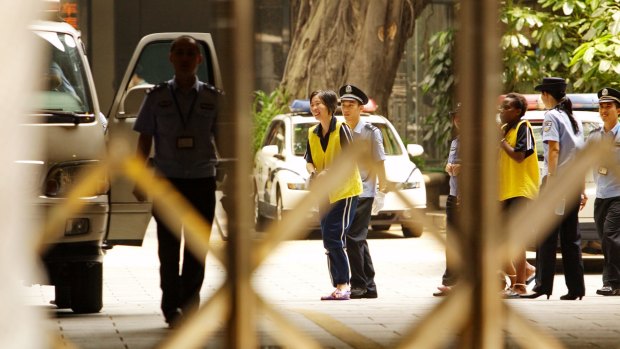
x: 294, y: 278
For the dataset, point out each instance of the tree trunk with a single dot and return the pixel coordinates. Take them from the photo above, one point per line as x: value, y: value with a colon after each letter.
x: 359, y: 42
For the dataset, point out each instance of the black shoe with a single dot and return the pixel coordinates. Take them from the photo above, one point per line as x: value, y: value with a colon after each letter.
x: 608, y: 291
x: 173, y: 319
x: 570, y: 297
x: 534, y: 295
x: 359, y: 293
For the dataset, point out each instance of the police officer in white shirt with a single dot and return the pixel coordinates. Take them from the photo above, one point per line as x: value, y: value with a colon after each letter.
x: 607, y: 203
x: 352, y: 101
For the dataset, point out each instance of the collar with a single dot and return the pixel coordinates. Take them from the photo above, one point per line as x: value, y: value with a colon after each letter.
x: 614, y: 130
x: 175, y: 87
x: 332, y: 126
x: 360, y: 125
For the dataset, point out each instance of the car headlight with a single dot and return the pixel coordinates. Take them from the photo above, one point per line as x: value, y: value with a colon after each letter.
x: 297, y: 186
x: 62, y: 178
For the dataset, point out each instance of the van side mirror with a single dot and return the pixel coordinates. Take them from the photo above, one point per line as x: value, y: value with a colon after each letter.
x: 132, y: 100
x: 270, y: 150
x: 415, y: 149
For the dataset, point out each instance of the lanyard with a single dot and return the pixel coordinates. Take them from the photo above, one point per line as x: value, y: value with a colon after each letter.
x: 184, y: 121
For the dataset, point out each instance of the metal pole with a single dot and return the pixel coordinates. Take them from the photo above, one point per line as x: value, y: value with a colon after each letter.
x: 234, y: 23
x: 478, y: 70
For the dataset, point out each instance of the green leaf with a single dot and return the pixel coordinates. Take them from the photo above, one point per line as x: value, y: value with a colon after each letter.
x: 602, y: 48
x: 519, y: 24
x: 568, y: 8
x: 616, y: 68
x: 617, y: 50
x: 614, y: 27
x: 514, y: 41
x: 604, y: 66
x: 589, y: 55
x: 523, y: 40
x: 594, y: 4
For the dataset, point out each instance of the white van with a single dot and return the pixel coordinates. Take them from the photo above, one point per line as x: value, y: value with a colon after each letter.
x: 66, y: 114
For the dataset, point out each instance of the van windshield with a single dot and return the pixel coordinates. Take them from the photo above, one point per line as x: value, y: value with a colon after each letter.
x: 63, y: 86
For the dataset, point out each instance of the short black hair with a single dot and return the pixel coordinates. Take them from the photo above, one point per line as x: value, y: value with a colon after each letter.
x: 328, y: 97
x: 187, y: 38
x: 519, y: 102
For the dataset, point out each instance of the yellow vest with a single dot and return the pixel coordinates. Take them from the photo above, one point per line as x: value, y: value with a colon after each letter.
x: 518, y: 179
x: 352, y: 186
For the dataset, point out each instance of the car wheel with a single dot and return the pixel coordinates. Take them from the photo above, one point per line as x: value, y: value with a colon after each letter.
x: 87, y: 287
x: 413, y: 230
x: 381, y: 227
x: 279, y: 206
x: 259, y: 220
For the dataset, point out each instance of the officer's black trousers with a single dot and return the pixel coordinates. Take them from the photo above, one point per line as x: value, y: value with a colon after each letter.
x: 362, y: 269
x: 182, y: 290
x: 607, y: 219
x: 570, y: 244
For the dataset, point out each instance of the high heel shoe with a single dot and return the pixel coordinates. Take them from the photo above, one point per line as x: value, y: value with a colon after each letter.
x: 534, y: 295
x: 570, y: 297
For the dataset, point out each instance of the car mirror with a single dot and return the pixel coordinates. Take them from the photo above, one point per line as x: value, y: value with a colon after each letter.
x: 415, y: 149
x: 270, y: 150
x: 132, y: 100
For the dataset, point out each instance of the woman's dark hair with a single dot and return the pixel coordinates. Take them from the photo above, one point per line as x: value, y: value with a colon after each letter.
x: 328, y: 97
x: 565, y: 105
x: 518, y: 101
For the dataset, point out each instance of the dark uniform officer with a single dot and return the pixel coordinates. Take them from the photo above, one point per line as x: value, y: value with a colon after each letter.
x: 607, y: 203
x: 352, y: 101
x: 179, y: 116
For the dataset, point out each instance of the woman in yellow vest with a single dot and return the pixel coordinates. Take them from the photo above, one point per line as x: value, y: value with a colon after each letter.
x: 325, y: 142
x: 518, y: 176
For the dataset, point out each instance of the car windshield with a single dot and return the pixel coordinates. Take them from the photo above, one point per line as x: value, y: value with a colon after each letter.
x: 63, y: 86
x: 300, y: 138
x: 588, y: 127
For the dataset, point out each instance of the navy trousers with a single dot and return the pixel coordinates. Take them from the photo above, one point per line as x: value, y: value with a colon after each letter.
x: 334, y: 226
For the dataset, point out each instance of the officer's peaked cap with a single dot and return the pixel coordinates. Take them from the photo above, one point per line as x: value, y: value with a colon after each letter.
x: 352, y: 93
x: 609, y: 94
x: 552, y: 84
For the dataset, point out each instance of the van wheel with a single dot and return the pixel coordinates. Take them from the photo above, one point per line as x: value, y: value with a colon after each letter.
x: 381, y: 227
x: 412, y: 231
x: 62, y: 296
x: 87, y: 287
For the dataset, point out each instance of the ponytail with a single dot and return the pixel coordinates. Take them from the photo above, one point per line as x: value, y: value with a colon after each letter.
x: 566, y: 106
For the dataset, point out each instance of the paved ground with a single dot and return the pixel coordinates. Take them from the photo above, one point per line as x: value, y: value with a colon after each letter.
x: 293, y: 279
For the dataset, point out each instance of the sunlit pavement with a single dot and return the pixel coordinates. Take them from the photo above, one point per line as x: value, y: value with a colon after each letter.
x: 294, y: 278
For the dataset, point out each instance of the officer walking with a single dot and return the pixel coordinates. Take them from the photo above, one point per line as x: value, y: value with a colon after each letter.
x: 179, y: 116
x: 352, y: 101
x: 607, y: 202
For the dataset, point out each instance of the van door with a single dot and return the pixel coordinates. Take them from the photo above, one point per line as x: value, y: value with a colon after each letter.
x: 148, y: 66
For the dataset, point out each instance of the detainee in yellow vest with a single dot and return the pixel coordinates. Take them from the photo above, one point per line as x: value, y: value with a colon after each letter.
x: 323, y: 159
x: 518, y: 179
x: 322, y: 149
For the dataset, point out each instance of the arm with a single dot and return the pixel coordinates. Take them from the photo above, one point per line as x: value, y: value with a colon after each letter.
x: 143, y: 151
x: 518, y: 156
x: 554, y: 155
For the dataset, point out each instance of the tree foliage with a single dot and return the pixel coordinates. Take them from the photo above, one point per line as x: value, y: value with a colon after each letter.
x: 575, y: 39
x: 265, y: 107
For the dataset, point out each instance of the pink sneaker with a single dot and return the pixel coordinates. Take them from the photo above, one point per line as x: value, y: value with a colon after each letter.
x: 337, y: 295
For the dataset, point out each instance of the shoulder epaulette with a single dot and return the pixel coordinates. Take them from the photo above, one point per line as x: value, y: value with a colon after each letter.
x: 212, y: 88
x: 157, y: 87
x: 370, y: 126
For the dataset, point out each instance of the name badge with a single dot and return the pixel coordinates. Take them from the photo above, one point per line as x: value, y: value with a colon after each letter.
x: 185, y: 142
x: 602, y: 171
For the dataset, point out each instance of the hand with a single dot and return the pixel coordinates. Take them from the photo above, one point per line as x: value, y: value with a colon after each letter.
x: 448, y: 169
x: 456, y: 169
x: 583, y: 201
